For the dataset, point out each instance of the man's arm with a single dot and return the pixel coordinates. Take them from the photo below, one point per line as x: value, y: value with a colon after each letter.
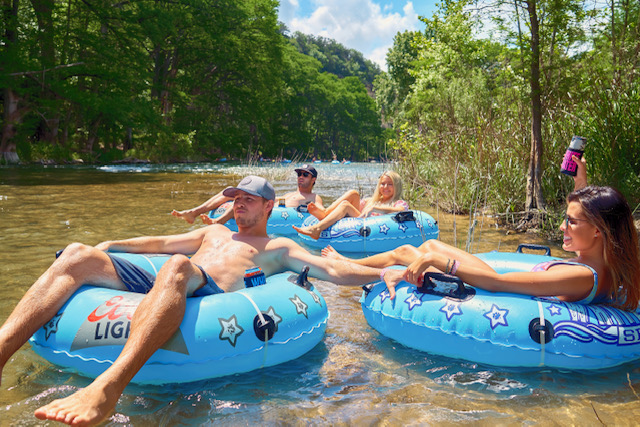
x: 187, y: 243
x: 336, y: 271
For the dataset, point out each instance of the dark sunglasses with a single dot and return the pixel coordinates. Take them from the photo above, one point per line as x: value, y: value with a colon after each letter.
x: 573, y: 221
x: 305, y: 174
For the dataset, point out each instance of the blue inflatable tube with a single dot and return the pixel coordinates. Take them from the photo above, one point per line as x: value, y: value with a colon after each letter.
x: 375, y: 234
x: 280, y: 222
x: 459, y: 321
x: 220, y: 334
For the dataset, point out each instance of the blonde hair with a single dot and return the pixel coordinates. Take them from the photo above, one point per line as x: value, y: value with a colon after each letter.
x: 397, y: 189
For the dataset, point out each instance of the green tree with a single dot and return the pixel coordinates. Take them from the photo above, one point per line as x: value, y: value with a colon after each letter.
x: 393, y: 87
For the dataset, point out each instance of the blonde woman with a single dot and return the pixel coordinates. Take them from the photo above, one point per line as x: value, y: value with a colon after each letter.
x: 386, y: 199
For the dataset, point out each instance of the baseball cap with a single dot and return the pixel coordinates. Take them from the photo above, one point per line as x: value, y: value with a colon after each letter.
x: 254, y: 185
x: 310, y: 169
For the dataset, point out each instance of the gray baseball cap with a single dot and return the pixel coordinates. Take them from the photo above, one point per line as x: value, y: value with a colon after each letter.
x: 254, y: 185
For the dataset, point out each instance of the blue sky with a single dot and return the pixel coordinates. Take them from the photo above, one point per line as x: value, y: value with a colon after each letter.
x: 365, y: 25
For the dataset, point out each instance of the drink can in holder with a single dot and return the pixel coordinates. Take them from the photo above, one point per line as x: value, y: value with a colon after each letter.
x: 254, y: 277
x: 576, y: 148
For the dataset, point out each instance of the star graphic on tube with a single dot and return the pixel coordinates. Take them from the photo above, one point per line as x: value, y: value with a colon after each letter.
x: 301, y: 307
x: 384, y: 295
x: 554, y: 309
x: 276, y: 319
x: 51, y: 327
x: 419, y: 225
x: 300, y: 215
x: 497, y: 316
x: 384, y: 228
x: 230, y: 329
x: 402, y: 227
x: 284, y: 214
x: 450, y: 309
x: 316, y: 298
x: 413, y: 300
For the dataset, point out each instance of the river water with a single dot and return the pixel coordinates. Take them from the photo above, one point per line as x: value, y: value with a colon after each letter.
x: 355, y: 376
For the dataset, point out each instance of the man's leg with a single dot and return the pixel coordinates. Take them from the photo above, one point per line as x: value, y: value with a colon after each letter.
x: 76, y: 265
x: 351, y: 196
x: 155, y: 320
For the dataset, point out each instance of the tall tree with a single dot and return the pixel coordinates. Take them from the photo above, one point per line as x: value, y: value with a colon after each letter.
x: 10, y: 53
x: 534, y: 196
x: 554, y: 29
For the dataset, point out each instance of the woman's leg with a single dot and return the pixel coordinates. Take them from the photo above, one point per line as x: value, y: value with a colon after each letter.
x: 406, y: 254
x: 403, y: 255
x: 454, y: 253
x: 351, y: 196
x: 344, y: 209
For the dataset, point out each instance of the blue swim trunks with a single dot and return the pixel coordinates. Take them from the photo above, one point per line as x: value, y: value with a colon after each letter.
x: 139, y: 280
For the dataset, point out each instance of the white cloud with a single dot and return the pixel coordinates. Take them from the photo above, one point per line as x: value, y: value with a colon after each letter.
x: 357, y: 24
x: 287, y: 10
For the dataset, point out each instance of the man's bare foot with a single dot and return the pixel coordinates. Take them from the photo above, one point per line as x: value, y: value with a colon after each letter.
x: 85, y: 407
x: 307, y: 231
x: 330, y: 252
x: 188, y: 216
x: 316, y: 211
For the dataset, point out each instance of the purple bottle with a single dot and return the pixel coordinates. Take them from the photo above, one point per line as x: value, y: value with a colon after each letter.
x: 576, y: 148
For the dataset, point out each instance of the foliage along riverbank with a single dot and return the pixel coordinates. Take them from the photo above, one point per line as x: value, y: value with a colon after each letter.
x: 478, y: 121
x: 174, y: 81
x: 467, y: 111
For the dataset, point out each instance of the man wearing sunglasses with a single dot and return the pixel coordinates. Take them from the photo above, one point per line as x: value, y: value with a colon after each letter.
x: 304, y: 195
x: 307, y: 176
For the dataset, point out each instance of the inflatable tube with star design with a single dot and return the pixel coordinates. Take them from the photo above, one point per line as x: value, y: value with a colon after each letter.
x: 220, y: 334
x: 375, y: 234
x: 453, y: 319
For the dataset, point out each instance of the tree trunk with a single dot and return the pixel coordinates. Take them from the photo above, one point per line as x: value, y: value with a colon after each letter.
x: 12, y: 115
x: 46, y: 40
x: 534, y: 195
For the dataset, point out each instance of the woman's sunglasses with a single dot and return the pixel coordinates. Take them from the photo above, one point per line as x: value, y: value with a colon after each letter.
x: 573, y: 221
x: 305, y: 174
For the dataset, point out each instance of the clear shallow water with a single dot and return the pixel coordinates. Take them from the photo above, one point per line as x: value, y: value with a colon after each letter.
x: 355, y: 376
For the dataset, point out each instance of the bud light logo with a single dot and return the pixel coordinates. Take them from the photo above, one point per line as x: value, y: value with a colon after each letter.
x: 110, y: 324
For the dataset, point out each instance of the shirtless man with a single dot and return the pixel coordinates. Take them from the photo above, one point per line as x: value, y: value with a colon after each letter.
x: 220, y: 258
x: 307, y: 176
